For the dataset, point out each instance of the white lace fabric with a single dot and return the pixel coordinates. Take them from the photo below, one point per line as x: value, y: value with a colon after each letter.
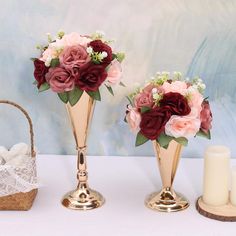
x: 15, y: 179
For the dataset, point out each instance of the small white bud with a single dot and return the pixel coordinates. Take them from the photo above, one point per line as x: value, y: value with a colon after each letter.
x: 104, y: 54
x: 154, y: 90
x: 89, y: 50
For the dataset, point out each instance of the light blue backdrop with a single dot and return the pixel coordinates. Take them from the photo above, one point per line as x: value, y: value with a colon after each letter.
x: 197, y: 37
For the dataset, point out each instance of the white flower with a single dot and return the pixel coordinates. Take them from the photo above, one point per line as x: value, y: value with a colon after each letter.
x: 154, y: 90
x: 104, y: 54
x: 89, y: 50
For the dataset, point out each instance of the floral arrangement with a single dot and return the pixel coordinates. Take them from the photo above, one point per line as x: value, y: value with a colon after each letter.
x: 169, y: 107
x: 72, y: 64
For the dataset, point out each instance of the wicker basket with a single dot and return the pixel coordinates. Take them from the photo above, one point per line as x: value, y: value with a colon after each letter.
x: 20, y: 201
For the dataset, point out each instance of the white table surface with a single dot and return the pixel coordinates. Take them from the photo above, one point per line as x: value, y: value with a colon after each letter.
x: 124, y: 182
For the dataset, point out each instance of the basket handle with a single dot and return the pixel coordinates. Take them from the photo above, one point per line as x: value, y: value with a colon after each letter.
x: 33, y: 154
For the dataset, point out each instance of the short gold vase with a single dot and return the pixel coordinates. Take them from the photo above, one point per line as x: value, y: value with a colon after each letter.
x: 167, y: 200
x: 83, y: 197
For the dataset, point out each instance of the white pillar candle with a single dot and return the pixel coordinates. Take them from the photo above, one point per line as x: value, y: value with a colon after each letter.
x: 233, y: 186
x: 216, y: 176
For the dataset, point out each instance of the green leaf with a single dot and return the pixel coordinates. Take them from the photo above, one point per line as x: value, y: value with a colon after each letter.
x: 33, y: 58
x: 200, y: 133
x: 130, y: 100
x: 74, y: 95
x: 114, y: 56
x: 54, y: 62
x: 109, y: 88
x: 45, y: 86
x: 95, y: 95
x: 183, y: 141
x: 122, y: 84
x: 63, y: 96
x: 164, y: 140
x: 145, y: 109
x: 120, y: 56
x: 140, y: 139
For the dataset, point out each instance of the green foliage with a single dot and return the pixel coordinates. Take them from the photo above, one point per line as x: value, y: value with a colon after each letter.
x: 74, y: 95
x: 109, y: 88
x: 207, y: 135
x: 95, y: 95
x: 140, y: 139
x: 63, y: 96
x: 145, y: 109
x: 120, y: 56
x: 122, y: 84
x: 164, y: 140
x: 45, y: 86
x: 54, y: 62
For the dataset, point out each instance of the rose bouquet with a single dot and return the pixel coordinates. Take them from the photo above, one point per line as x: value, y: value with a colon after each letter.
x: 167, y: 108
x: 72, y: 64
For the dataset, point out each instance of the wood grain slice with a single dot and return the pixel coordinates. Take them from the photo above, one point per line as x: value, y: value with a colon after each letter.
x: 221, y: 213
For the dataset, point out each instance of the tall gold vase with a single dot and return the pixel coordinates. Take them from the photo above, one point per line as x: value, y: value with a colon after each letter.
x: 167, y: 200
x: 83, y: 197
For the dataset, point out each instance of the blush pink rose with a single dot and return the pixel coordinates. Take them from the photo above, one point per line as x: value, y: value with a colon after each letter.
x: 48, y: 53
x: 195, y: 101
x: 74, y: 56
x: 206, y: 117
x: 75, y: 39
x: 60, y: 80
x: 114, y: 72
x: 133, y: 118
x: 182, y: 126
x: 174, y: 87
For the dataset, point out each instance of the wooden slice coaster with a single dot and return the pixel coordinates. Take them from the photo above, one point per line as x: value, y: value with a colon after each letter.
x: 221, y: 213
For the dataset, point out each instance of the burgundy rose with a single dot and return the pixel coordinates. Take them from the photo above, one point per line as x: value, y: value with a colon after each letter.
x: 99, y: 46
x: 40, y: 71
x: 176, y: 103
x: 74, y: 56
x: 60, y: 79
x: 153, y: 122
x: 91, y: 77
x: 206, y: 117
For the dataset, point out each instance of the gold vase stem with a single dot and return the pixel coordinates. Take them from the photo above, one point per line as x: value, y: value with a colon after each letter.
x: 82, y: 174
x: 167, y: 200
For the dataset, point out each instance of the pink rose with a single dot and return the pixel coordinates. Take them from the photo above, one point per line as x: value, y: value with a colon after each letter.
x: 182, y: 126
x: 143, y: 100
x: 75, y: 39
x: 74, y: 56
x: 195, y: 101
x: 133, y: 118
x: 114, y: 72
x: 174, y: 87
x: 206, y: 117
x: 60, y: 79
x: 48, y: 53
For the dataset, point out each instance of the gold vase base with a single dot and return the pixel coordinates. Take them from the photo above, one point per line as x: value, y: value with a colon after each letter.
x: 155, y: 201
x: 81, y: 199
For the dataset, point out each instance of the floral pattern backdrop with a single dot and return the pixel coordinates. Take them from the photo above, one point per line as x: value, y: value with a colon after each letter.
x: 196, y: 37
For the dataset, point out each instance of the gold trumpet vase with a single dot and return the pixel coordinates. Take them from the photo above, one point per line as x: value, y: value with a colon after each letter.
x: 83, y: 197
x: 167, y: 200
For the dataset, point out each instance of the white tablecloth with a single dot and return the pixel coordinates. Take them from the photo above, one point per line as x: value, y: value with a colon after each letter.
x: 124, y: 182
